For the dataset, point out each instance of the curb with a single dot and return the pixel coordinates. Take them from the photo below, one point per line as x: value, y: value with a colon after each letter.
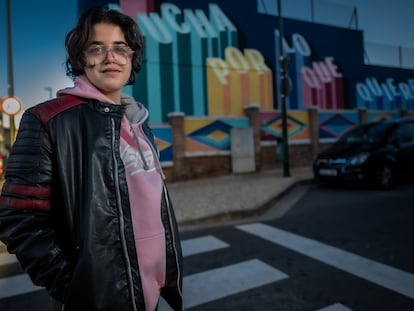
x: 246, y: 213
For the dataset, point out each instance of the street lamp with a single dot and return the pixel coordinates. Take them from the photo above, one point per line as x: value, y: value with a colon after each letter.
x: 10, y: 104
x: 285, y: 88
x: 10, y: 86
x: 49, y: 90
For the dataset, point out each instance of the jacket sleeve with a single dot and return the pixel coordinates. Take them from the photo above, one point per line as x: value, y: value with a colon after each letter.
x: 26, y: 225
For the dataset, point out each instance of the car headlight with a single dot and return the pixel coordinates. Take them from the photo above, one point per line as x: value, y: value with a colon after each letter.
x: 358, y: 159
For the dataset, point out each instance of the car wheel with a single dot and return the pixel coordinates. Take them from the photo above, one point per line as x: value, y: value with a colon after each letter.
x: 384, y: 177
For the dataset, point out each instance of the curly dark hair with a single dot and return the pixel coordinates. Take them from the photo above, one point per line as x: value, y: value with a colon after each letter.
x: 77, y: 39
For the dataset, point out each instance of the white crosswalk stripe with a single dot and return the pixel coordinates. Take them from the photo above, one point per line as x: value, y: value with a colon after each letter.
x: 389, y: 277
x: 7, y: 259
x: 201, y: 245
x: 335, y: 307
x: 16, y: 285
x: 228, y: 280
x: 217, y: 283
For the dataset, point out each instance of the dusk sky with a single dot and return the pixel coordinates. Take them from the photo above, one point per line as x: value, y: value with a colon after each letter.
x: 39, y: 29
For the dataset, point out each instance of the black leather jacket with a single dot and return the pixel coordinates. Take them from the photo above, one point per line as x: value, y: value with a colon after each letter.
x: 65, y: 213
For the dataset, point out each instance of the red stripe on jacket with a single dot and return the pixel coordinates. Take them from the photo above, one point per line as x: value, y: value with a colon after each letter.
x: 49, y: 109
x: 25, y: 203
x: 26, y: 190
x: 33, y: 197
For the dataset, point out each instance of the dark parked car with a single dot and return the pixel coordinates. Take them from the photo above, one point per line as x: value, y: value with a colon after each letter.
x: 377, y: 153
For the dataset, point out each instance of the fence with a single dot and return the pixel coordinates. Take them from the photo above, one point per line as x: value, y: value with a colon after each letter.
x: 345, y: 16
x: 193, y: 147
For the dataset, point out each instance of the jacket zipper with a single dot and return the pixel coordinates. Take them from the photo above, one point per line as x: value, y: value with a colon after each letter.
x: 121, y: 220
x: 173, y: 243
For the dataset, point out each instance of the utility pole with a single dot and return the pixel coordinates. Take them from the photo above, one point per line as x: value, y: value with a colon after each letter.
x: 10, y: 86
x: 285, y: 87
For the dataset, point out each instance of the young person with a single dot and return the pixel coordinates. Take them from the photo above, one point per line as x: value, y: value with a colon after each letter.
x: 84, y: 206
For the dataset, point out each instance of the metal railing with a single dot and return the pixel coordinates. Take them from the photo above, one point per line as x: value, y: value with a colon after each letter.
x: 388, y: 55
x: 345, y: 16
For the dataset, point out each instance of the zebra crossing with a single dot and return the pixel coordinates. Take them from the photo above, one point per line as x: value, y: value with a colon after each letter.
x: 389, y: 277
x: 232, y: 279
x: 14, y: 285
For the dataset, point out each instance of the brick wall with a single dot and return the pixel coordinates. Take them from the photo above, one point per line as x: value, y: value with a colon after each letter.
x: 192, y: 167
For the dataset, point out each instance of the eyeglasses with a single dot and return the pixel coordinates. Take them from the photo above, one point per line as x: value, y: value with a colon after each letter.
x: 96, y: 53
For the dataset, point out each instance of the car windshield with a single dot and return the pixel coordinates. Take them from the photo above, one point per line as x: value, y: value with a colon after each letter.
x: 366, y: 134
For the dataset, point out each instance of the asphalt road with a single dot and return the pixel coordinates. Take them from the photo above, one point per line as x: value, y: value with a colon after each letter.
x: 338, y: 249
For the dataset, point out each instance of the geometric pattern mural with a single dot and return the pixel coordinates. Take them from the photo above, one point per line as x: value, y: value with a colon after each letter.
x: 333, y: 124
x: 382, y: 115
x: 271, y: 125
x: 204, y: 136
x: 210, y: 135
x: 214, y: 135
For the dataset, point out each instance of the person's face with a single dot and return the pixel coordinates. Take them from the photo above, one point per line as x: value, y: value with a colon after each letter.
x: 108, y: 60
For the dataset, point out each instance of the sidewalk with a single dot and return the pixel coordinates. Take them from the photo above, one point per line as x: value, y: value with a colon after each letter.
x: 235, y: 195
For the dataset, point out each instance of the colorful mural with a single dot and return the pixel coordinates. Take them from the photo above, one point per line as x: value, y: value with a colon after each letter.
x: 163, y: 139
x: 174, y: 71
x: 385, y: 95
x: 209, y: 135
x: 204, y: 136
x: 333, y: 124
x: 271, y: 126
x: 382, y: 115
x: 194, y: 66
x: 203, y: 59
x: 210, y: 60
x: 237, y: 81
x: 314, y: 83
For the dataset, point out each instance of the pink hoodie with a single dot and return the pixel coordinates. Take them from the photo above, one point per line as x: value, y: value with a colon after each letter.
x: 144, y: 178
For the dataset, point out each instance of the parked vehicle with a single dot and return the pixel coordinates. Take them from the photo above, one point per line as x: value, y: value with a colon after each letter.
x: 376, y: 153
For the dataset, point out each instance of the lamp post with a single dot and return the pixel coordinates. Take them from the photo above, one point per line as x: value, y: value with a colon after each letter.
x: 10, y: 86
x: 49, y: 90
x: 285, y: 87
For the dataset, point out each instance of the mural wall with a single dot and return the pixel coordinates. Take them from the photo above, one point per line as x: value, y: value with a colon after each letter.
x: 209, y: 60
x: 193, y: 64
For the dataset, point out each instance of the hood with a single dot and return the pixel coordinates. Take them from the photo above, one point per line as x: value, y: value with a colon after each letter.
x: 135, y: 111
x: 347, y: 150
